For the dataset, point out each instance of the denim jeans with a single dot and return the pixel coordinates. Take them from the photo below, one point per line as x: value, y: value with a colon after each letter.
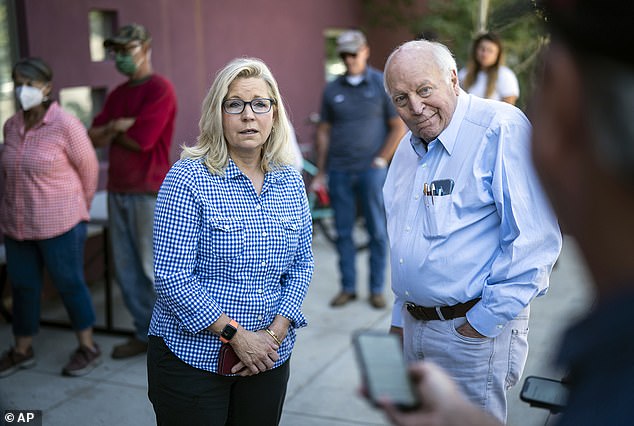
x: 131, y: 218
x: 63, y: 257
x: 345, y: 189
x: 485, y: 368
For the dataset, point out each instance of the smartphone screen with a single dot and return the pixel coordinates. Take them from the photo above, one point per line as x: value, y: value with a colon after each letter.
x: 546, y: 392
x: 383, y: 369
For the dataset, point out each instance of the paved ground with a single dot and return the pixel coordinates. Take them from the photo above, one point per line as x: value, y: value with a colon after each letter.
x: 324, y: 376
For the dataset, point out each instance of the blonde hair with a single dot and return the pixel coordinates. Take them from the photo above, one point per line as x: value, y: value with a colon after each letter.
x: 211, y: 145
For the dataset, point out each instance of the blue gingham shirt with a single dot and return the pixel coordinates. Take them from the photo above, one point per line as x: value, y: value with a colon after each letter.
x: 495, y: 236
x: 219, y: 247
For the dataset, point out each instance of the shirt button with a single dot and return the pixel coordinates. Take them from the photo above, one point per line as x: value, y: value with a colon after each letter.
x: 260, y: 317
x: 258, y: 207
x: 416, y: 197
x: 424, y: 165
x: 260, y: 291
x: 264, y: 263
x: 408, y: 228
x: 407, y: 293
x: 264, y: 234
x: 500, y: 326
x: 400, y: 261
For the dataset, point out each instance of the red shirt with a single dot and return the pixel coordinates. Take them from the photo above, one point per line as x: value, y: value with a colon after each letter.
x: 50, y: 176
x: 152, y: 104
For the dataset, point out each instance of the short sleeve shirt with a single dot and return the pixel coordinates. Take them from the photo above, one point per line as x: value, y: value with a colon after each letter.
x: 359, y: 118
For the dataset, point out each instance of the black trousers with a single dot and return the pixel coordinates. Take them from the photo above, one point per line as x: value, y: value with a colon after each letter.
x: 182, y: 394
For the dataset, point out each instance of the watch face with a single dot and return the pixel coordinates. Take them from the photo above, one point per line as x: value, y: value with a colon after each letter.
x: 228, y: 331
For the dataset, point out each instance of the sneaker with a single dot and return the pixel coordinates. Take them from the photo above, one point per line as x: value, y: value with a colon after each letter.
x: 12, y: 361
x: 377, y: 301
x: 342, y: 299
x: 129, y: 349
x: 83, y: 361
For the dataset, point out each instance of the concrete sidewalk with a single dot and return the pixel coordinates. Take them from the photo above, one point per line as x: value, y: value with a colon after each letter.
x: 324, y: 376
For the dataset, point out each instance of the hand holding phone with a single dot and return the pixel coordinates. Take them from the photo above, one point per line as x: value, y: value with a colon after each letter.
x: 544, y: 393
x: 383, y: 369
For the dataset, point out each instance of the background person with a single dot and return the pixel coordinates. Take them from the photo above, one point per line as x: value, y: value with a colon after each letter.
x: 233, y: 259
x: 486, y: 75
x: 50, y: 176
x: 583, y: 149
x: 357, y: 135
x: 472, y: 237
x: 137, y: 123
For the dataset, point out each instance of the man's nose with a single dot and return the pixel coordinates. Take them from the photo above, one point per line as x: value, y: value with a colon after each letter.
x: 417, y: 105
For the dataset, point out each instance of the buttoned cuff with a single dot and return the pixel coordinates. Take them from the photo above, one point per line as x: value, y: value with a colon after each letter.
x: 484, y: 321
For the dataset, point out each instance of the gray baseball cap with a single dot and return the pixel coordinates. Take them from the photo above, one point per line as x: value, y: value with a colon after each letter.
x: 350, y: 41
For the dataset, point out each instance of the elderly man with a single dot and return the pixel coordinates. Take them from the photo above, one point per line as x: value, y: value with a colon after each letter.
x: 137, y: 123
x: 583, y: 148
x: 357, y: 135
x: 472, y: 237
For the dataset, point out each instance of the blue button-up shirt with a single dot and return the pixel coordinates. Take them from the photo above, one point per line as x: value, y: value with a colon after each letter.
x: 494, y: 236
x: 219, y: 247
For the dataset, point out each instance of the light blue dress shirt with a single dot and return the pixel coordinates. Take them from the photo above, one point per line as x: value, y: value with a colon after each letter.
x: 220, y: 247
x: 494, y: 236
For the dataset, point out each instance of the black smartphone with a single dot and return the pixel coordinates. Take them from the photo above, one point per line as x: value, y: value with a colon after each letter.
x: 383, y: 369
x: 544, y: 393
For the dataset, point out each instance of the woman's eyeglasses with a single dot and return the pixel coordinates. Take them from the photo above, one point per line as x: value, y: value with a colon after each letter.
x: 258, y: 105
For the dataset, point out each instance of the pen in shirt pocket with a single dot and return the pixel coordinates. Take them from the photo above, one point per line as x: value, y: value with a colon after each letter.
x: 442, y: 187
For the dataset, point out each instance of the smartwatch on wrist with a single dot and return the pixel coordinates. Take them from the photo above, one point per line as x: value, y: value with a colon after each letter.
x: 229, y: 331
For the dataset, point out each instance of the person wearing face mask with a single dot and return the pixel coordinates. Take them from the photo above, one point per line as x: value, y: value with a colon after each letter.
x: 50, y: 173
x: 137, y: 124
x: 486, y: 75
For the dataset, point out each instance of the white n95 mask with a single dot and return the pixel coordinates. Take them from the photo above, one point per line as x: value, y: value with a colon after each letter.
x: 29, y: 96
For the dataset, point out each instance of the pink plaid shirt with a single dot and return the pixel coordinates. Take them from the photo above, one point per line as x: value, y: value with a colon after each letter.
x: 49, y: 176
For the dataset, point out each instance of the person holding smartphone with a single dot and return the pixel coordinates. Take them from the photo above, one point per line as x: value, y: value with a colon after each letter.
x: 583, y: 150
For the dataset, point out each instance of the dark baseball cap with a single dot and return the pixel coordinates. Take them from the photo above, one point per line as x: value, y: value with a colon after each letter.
x: 602, y: 28
x: 128, y: 33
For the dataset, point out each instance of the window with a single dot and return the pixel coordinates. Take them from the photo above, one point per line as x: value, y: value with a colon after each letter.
x: 8, y: 49
x: 84, y: 103
x: 334, y: 67
x: 102, y: 25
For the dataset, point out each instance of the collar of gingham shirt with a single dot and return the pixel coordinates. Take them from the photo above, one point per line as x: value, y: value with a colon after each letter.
x: 219, y: 247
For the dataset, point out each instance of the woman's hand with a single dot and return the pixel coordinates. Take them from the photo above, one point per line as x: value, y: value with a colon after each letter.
x: 256, y: 350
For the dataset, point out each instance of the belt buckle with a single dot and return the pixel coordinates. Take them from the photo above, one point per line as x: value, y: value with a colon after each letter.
x: 439, y: 313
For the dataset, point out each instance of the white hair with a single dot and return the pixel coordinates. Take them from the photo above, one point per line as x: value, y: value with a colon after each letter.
x: 443, y: 57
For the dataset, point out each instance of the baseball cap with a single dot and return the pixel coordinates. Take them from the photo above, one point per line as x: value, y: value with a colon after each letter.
x: 128, y: 33
x: 350, y: 41
x: 602, y: 28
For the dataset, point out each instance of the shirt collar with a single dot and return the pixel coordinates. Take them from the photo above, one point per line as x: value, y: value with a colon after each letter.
x: 232, y: 171
x: 49, y: 115
x: 344, y: 78
x: 447, y: 137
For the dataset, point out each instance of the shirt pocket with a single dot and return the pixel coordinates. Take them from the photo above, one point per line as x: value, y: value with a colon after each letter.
x: 438, y: 216
x: 227, y: 237
x: 290, y: 230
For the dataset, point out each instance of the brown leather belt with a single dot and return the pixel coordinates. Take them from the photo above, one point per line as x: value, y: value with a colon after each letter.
x: 423, y: 313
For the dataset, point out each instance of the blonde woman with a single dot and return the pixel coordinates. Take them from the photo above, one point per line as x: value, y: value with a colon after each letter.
x: 233, y: 260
